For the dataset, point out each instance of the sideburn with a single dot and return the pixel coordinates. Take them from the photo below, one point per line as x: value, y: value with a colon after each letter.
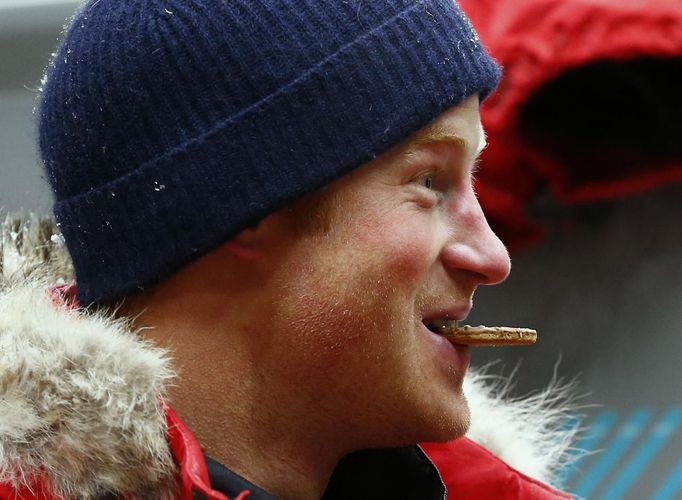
x: 311, y: 215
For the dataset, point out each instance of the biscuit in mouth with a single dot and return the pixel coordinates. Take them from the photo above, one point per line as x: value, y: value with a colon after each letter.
x: 483, y: 335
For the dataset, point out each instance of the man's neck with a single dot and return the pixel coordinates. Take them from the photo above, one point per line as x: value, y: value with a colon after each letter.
x: 227, y: 397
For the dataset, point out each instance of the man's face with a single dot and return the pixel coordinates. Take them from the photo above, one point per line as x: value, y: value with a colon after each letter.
x: 396, y: 243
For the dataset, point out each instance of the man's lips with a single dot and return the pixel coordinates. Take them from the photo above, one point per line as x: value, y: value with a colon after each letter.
x: 458, y: 313
x: 454, y: 354
x: 445, y: 318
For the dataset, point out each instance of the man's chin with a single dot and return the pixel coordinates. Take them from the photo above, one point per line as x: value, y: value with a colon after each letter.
x: 453, y: 423
x: 423, y: 423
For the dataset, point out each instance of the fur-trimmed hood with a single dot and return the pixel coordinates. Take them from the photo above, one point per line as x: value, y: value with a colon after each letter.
x: 80, y: 393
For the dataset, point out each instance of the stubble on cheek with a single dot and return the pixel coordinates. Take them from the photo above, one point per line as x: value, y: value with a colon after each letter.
x: 347, y: 307
x: 335, y: 307
x: 342, y: 305
x: 357, y: 361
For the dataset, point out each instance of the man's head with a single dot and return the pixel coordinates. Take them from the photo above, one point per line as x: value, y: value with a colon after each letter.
x: 292, y: 182
x: 168, y: 128
x: 402, y: 242
x: 329, y: 300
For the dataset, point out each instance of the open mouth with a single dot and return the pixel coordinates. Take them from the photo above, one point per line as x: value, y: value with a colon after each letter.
x: 440, y: 326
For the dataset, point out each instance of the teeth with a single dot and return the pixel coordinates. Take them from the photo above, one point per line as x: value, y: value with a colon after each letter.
x: 442, y: 324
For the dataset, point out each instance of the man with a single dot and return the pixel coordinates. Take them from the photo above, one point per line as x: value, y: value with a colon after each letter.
x: 282, y: 192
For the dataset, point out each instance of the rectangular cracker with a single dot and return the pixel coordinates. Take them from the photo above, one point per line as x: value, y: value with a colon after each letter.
x: 490, y: 335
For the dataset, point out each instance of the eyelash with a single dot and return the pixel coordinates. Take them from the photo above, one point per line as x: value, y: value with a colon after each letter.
x: 432, y: 174
x: 428, y: 179
x: 425, y: 176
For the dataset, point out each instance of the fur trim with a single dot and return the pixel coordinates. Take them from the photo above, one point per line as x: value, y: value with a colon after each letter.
x: 533, y: 434
x: 80, y: 392
x: 32, y: 246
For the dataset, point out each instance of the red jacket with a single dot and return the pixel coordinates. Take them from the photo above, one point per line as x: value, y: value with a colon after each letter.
x: 469, y: 472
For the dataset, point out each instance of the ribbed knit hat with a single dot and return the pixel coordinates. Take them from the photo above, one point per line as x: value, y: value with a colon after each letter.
x: 168, y: 126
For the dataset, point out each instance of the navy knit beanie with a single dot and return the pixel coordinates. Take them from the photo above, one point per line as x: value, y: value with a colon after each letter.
x: 168, y: 126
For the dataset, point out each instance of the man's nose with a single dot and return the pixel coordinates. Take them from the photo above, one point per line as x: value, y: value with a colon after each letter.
x: 473, y: 246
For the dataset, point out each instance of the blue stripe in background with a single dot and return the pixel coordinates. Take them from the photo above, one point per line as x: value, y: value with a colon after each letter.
x: 658, y: 437
x: 671, y: 486
x: 618, y: 446
x: 598, y: 429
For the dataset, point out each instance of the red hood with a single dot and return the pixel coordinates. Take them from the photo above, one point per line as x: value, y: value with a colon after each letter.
x: 539, y: 41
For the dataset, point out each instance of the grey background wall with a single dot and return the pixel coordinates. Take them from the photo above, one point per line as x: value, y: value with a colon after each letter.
x: 28, y: 35
x: 604, y: 289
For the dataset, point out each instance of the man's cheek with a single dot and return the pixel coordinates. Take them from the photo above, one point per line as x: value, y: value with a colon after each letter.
x: 402, y: 254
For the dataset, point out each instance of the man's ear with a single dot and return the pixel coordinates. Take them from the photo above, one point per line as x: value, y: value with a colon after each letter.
x: 255, y: 242
x: 247, y: 245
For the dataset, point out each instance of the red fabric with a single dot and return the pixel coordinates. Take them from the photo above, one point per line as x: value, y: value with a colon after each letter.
x: 470, y: 472
x: 190, y: 459
x: 536, y: 41
x: 64, y: 296
x: 36, y: 492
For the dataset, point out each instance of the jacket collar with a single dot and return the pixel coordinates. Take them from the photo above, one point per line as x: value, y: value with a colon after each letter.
x: 387, y: 473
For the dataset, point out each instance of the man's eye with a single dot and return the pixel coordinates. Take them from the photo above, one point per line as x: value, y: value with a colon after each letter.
x: 426, y: 180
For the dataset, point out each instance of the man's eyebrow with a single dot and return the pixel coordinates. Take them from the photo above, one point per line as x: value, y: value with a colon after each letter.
x: 441, y: 135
